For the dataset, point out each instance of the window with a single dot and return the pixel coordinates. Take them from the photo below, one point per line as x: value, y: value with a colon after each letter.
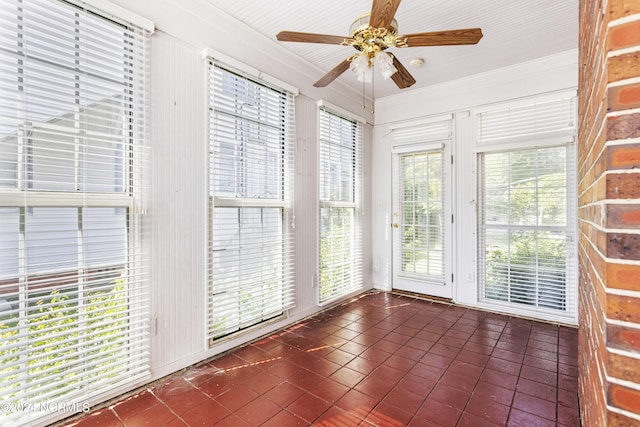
x: 251, y: 146
x: 526, y: 215
x: 73, y: 304
x: 340, y: 192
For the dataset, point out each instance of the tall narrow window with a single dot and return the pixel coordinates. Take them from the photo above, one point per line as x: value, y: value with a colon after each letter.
x: 73, y: 291
x: 526, y: 210
x: 251, y: 145
x: 340, y: 192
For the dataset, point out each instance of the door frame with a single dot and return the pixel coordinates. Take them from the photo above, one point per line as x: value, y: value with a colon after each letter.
x: 407, y: 283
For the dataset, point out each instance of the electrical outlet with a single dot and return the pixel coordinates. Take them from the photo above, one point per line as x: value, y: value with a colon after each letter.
x: 314, y: 280
x: 471, y: 276
x: 376, y: 265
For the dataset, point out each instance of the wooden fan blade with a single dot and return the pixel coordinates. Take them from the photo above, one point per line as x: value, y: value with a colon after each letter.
x: 294, y: 36
x: 403, y: 79
x: 442, y: 38
x: 382, y: 13
x: 333, y: 74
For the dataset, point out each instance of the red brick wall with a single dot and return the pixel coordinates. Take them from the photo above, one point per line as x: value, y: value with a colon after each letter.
x: 609, y: 212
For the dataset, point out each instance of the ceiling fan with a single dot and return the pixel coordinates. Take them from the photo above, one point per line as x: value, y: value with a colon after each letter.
x: 374, y: 32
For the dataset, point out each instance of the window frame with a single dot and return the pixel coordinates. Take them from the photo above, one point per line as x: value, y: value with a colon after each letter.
x: 283, y: 202
x: 354, y: 203
x: 534, y: 123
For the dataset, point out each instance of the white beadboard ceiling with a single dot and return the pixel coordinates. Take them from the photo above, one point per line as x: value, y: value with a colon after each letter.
x: 514, y: 31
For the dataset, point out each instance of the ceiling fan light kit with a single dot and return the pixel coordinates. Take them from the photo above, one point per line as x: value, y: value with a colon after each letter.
x: 360, y: 64
x: 363, y: 65
x: 371, y: 34
x: 383, y: 61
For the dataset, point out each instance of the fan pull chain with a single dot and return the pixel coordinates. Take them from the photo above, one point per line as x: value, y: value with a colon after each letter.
x: 373, y: 79
x: 373, y: 88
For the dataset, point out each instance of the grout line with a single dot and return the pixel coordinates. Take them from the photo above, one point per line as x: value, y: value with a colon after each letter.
x: 388, y: 315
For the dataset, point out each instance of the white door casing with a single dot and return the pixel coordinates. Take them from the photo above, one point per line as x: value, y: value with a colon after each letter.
x: 422, y: 218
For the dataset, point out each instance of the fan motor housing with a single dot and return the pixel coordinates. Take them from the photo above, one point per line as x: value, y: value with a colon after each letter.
x: 369, y: 39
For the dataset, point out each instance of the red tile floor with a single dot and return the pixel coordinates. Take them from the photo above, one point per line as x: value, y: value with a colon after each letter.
x: 381, y: 359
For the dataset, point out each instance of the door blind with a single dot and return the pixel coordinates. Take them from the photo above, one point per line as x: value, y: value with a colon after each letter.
x: 421, y: 215
x: 251, y: 243
x: 73, y: 290
x: 435, y: 131
x: 340, y: 260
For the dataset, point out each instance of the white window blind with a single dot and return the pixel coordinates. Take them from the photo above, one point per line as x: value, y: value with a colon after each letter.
x: 340, y: 261
x: 527, y: 225
x: 541, y: 120
x: 439, y: 130
x: 251, y: 243
x: 73, y: 291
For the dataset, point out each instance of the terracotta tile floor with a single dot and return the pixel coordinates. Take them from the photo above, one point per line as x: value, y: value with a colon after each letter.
x: 382, y: 359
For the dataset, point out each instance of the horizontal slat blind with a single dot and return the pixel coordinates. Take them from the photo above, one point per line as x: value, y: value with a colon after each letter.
x: 548, y: 119
x: 251, y: 244
x: 418, y: 134
x: 526, y: 224
x: 340, y: 261
x: 73, y: 291
x: 421, y: 215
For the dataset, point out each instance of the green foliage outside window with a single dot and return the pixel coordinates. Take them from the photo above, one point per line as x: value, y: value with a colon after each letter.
x: 53, y: 344
x: 336, y: 241
x: 531, y: 258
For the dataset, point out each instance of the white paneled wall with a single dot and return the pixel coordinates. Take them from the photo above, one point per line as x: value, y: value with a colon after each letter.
x: 306, y: 208
x: 367, y: 213
x: 177, y: 205
x: 381, y: 238
x: 464, y: 207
